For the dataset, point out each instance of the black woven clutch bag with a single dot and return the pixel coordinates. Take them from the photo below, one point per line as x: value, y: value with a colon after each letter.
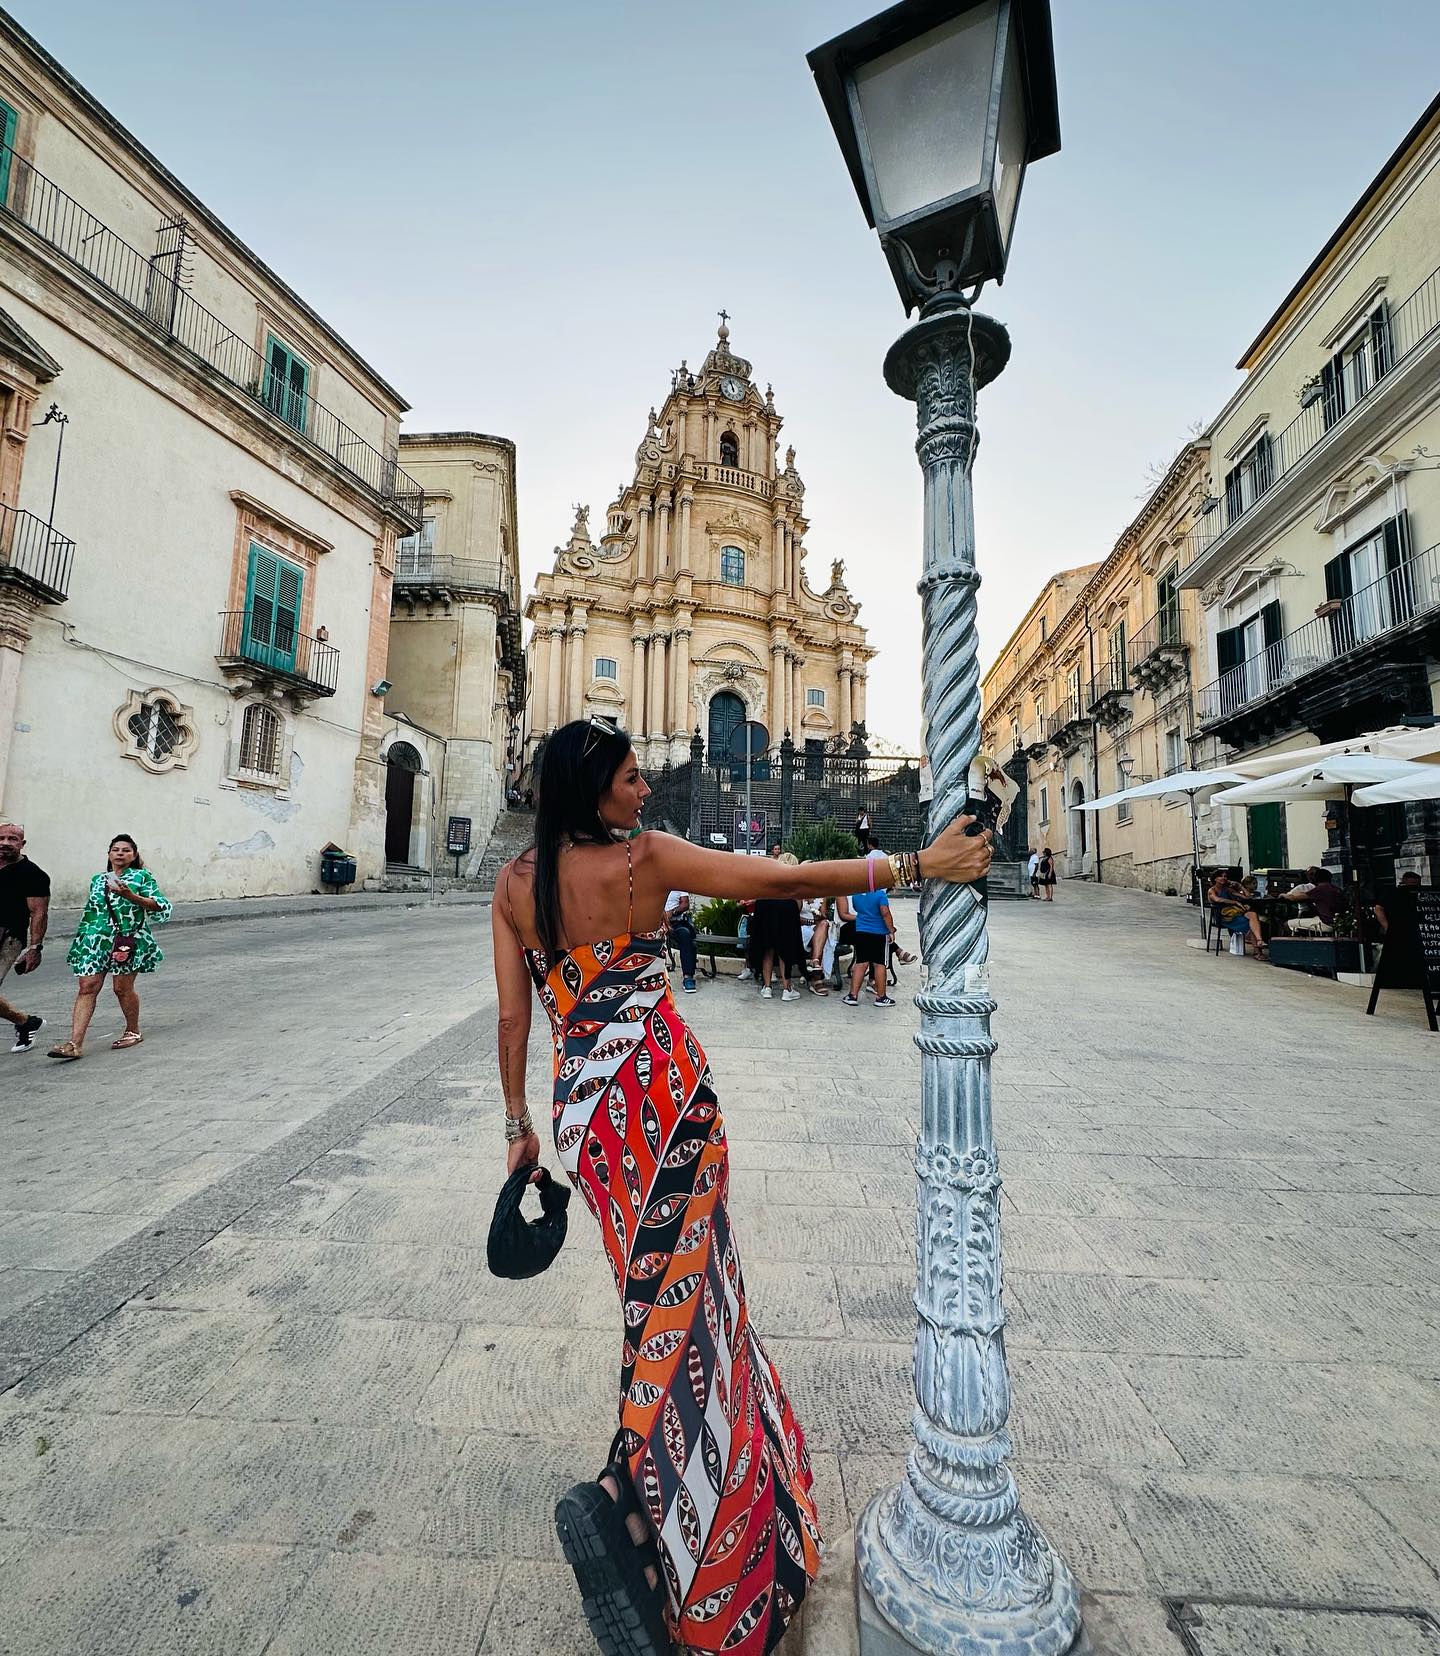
x: 518, y: 1247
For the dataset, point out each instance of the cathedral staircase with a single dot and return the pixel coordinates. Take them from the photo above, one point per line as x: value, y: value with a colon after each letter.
x: 514, y: 831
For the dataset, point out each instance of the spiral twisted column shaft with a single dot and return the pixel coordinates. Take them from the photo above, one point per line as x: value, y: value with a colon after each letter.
x: 948, y: 1561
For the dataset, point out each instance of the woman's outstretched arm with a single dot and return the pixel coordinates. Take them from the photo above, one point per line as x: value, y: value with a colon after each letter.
x: 513, y: 990
x: 953, y: 855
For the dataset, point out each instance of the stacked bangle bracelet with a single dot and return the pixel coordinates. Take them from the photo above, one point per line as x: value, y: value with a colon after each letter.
x: 518, y: 1127
x: 906, y: 867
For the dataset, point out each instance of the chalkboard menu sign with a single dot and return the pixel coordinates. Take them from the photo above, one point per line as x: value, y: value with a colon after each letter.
x: 1411, y: 956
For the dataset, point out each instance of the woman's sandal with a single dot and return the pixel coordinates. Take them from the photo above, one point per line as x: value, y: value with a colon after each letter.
x: 67, y: 1052
x: 131, y: 1037
x: 623, y: 1609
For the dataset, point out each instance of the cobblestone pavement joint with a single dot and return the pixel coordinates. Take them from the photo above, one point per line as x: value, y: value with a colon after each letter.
x: 261, y: 1395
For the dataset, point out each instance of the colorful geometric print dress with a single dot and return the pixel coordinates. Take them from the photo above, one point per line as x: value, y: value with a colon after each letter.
x: 712, y: 1443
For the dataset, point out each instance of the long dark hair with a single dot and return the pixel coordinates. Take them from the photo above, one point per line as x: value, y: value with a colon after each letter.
x: 124, y: 839
x: 577, y: 766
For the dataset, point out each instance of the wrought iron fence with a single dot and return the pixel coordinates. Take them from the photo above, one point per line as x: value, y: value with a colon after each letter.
x: 34, y: 554
x: 1402, y: 594
x: 1406, y: 326
x: 1113, y: 677
x: 789, y: 787
x: 263, y: 638
x: 139, y: 282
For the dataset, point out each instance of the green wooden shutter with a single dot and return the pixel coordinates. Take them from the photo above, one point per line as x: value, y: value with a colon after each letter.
x: 273, y: 590
x: 1229, y: 652
x: 1340, y: 583
x: 287, y: 384
x: 1332, y: 390
x: 1398, y: 574
x: 1270, y: 623
x: 9, y: 120
x: 1381, y: 354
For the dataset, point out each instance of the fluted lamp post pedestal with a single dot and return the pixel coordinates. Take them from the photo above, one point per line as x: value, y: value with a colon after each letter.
x: 948, y: 1561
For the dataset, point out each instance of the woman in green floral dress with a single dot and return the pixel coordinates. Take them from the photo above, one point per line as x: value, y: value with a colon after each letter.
x: 120, y: 904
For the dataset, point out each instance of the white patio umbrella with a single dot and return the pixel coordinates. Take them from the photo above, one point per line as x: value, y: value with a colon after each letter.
x: 1180, y: 782
x: 1422, y: 783
x: 1393, y: 742
x: 1327, y: 778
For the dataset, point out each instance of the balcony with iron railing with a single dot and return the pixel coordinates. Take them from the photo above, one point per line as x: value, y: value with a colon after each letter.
x: 1404, y: 598
x: 260, y: 644
x: 425, y: 569
x: 156, y: 299
x: 1068, y: 726
x: 1157, y: 652
x: 1107, y: 696
x: 34, y: 556
x: 1408, y: 326
x: 1035, y: 740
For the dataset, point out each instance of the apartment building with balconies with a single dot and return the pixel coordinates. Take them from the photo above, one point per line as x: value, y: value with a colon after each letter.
x: 200, y: 500
x: 457, y: 663
x: 1093, y: 694
x: 1317, y: 555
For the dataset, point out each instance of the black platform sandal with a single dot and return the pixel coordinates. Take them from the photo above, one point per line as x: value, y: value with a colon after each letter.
x: 623, y: 1609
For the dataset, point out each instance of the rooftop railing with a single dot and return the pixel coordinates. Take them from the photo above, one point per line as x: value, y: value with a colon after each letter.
x: 1401, y: 595
x: 1405, y: 328
x: 152, y: 293
x: 34, y: 555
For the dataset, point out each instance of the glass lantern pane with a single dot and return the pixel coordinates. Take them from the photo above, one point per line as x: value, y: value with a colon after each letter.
x: 1010, y: 143
x: 924, y: 108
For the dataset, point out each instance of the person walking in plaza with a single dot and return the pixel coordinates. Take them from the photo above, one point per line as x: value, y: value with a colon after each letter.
x: 776, y: 943
x: 702, y: 1527
x: 1032, y: 870
x: 874, y: 930
x: 680, y: 930
x: 1046, y: 872
x: 114, y: 939
x: 24, y: 916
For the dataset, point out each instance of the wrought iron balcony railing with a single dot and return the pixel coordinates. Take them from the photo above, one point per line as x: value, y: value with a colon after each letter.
x: 1068, y: 718
x: 34, y: 555
x: 1406, y: 327
x: 1402, y: 595
x: 260, y: 638
x: 152, y: 293
x: 1160, y: 632
x: 422, y: 568
x: 1111, y: 680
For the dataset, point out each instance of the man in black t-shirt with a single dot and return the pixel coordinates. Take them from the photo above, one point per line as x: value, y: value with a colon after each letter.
x: 24, y: 915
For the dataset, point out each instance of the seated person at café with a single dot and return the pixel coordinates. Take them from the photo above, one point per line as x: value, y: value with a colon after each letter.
x: 1231, y: 903
x: 1323, y: 896
x: 680, y: 935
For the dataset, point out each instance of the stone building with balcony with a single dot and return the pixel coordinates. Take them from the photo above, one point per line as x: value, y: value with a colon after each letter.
x: 201, y: 500
x: 457, y: 666
x: 1093, y: 693
x: 693, y: 612
x: 1317, y: 557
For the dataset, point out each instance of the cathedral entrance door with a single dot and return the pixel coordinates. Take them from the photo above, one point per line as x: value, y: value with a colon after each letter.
x: 727, y: 714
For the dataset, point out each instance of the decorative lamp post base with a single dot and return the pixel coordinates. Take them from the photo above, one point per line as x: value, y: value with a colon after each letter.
x: 947, y: 1562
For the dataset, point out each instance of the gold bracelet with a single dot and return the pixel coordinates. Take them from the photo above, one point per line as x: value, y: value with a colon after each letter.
x: 518, y: 1127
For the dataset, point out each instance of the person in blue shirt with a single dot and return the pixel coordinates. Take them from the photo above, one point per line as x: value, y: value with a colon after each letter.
x: 874, y: 927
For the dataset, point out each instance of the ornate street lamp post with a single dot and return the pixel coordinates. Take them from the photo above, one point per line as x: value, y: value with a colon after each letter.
x: 938, y: 109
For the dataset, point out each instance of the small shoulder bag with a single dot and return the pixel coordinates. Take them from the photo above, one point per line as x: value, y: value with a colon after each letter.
x: 122, y: 944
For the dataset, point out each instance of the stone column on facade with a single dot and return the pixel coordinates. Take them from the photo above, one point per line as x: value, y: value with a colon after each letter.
x: 775, y: 712
x: 635, y: 713
x: 577, y: 675
x: 655, y: 714
x: 680, y: 676
x: 662, y: 535
x: 554, y: 706
x: 642, y: 540
x: 540, y: 647
x: 797, y: 695
x: 777, y: 555
x: 795, y: 567
x: 687, y: 499
x: 858, y: 696
x: 16, y: 610
x: 846, y: 707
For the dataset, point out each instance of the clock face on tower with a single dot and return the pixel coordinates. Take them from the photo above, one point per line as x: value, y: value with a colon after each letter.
x: 732, y: 388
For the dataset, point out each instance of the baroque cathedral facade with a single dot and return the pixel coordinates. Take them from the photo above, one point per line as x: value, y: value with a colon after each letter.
x: 693, y: 612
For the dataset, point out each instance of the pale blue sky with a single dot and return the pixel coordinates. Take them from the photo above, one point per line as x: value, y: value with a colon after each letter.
x: 553, y: 200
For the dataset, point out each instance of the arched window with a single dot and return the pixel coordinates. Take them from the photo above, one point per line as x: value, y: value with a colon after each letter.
x: 732, y: 566
x: 729, y: 449
x: 260, y: 734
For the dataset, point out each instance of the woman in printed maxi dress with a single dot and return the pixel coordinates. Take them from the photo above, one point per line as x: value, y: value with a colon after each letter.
x: 121, y: 903
x: 702, y: 1529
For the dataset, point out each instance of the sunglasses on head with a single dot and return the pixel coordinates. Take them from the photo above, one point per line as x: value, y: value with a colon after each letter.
x: 599, y: 726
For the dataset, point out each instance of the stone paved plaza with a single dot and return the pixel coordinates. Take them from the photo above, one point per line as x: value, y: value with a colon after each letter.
x: 263, y: 1395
